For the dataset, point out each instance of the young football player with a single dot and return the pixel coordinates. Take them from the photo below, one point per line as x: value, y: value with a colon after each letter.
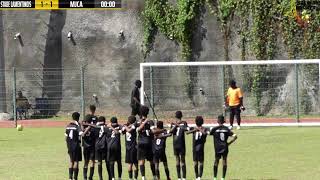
x: 178, y: 129
x: 199, y: 139
x: 131, y: 146
x: 159, y: 150
x: 114, y: 147
x: 100, y: 132
x: 88, y: 143
x: 221, y: 134
x: 73, y: 133
x: 145, y: 142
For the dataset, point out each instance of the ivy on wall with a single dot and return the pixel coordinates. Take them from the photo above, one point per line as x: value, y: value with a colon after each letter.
x: 175, y: 22
x: 259, y: 23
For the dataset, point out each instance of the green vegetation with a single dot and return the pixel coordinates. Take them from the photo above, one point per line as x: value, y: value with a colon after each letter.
x: 259, y: 153
x: 261, y: 24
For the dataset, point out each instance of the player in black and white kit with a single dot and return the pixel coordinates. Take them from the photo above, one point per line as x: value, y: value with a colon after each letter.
x: 145, y: 142
x: 100, y: 133
x: 178, y: 130
x: 130, y: 132
x: 114, y: 147
x: 73, y: 141
x: 198, y: 141
x: 221, y: 134
x: 88, y: 143
x: 159, y: 150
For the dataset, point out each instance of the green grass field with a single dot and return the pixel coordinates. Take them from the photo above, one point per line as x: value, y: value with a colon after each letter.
x: 259, y: 153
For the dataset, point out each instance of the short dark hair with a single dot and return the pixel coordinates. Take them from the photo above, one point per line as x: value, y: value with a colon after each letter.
x: 144, y: 111
x: 101, y: 119
x: 92, y: 108
x: 232, y: 83
x: 199, y: 121
x: 114, y: 120
x: 88, y: 118
x: 76, y: 116
x: 160, y: 124
x: 131, y: 119
x: 221, y: 119
x: 137, y: 82
x: 179, y: 114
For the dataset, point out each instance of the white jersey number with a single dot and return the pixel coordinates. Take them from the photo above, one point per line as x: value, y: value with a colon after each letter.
x: 198, y: 135
x: 113, y: 134
x: 178, y: 130
x: 128, y: 136
x: 71, y: 134
x: 147, y: 132
x: 222, y: 136
x: 158, y: 142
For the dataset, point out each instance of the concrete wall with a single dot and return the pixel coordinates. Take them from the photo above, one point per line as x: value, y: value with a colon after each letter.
x: 112, y: 63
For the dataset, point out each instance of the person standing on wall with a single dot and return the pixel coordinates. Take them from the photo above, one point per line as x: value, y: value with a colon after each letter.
x: 135, y: 99
x: 234, y: 101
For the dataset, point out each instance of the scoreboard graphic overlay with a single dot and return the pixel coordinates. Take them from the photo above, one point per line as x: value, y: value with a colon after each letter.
x: 59, y: 4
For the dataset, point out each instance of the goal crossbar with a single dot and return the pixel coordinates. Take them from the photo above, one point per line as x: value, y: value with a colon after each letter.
x: 221, y: 63
x: 212, y: 63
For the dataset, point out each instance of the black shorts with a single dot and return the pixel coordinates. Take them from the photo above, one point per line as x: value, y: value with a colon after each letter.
x: 114, y: 155
x: 198, y: 156
x: 224, y: 155
x: 100, y: 155
x: 179, y: 151
x: 159, y: 157
x: 135, y: 110
x: 75, y: 155
x: 131, y: 156
x: 145, y: 153
x: 88, y: 154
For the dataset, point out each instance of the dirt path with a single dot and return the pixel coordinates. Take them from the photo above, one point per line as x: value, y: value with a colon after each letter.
x: 54, y: 123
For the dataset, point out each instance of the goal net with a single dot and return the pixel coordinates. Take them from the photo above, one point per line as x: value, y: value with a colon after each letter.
x: 276, y: 91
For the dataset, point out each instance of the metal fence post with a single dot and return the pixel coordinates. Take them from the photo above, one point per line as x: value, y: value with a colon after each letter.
x: 14, y: 87
x: 296, y: 69
x: 223, y: 89
x: 151, y: 89
x: 319, y: 86
x: 82, y: 93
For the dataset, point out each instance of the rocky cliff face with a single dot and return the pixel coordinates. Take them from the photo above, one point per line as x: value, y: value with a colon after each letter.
x: 111, y: 61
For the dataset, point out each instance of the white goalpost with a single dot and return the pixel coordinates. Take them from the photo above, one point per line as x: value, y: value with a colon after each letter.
x: 276, y: 92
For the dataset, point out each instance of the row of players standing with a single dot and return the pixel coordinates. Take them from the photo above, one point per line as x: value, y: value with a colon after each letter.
x: 101, y: 142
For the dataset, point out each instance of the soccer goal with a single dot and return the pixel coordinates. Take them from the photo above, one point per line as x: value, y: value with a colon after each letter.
x: 276, y: 92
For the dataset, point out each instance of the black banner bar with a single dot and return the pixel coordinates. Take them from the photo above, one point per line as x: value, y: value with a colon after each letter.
x: 108, y: 4
x: 18, y: 4
x: 76, y: 4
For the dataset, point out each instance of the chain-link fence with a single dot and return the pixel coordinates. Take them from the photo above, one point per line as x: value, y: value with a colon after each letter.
x: 286, y: 91
x: 56, y: 93
x: 275, y: 91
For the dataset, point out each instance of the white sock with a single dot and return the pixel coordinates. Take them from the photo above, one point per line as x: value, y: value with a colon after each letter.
x: 143, y: 178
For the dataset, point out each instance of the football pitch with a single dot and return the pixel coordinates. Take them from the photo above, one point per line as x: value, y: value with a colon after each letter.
x: 259, y: 153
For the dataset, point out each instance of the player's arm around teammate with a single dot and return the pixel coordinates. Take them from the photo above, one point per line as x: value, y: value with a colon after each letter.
x: 159, y: 149
x: 145, y: 142
x: 220, y: 135
x: 73, y: 133
x: 199, y: 139
x: 178, y: 129
x: 100, y: 143
x: 88, y: 144
x: 114, y: 148
x: 130, y: 132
